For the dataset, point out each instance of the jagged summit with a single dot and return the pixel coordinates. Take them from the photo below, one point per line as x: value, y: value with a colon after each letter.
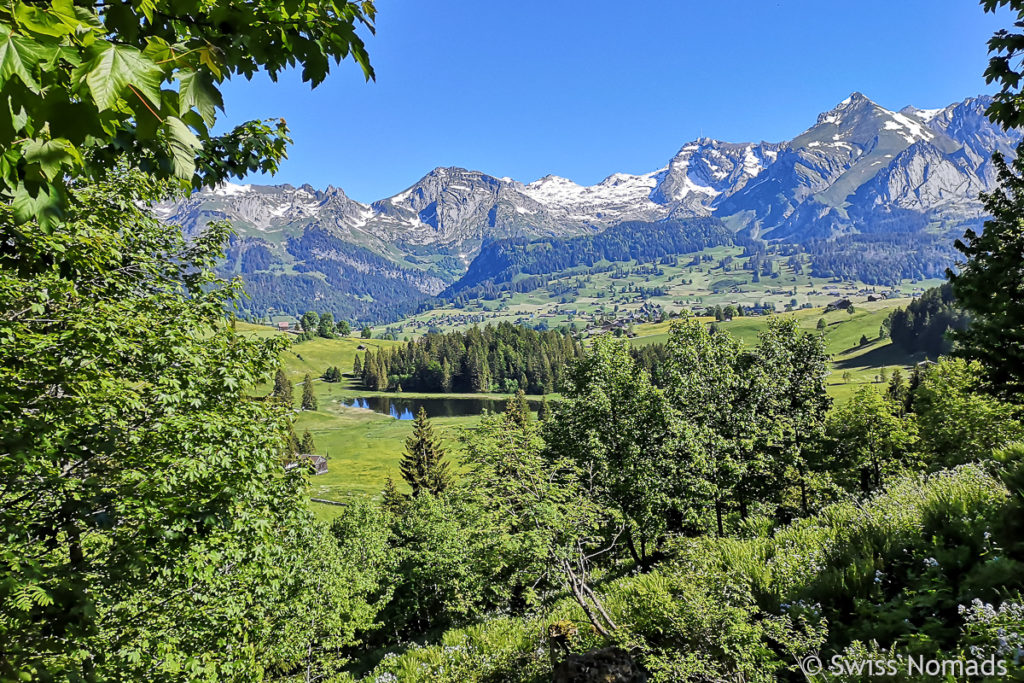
x: 849, y: 172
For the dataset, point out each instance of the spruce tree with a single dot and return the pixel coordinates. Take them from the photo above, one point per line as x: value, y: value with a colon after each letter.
x: 391, y: 499
x: 380, y: 367
x: 306, y: 445
x: 369, y: 376
x: 293, y: 444
x: 308, y: 398
x: 898, y: 389
x: 423, y: 465
x: 517, y: 410
x: 545, y: 410
x: 357, y: 368
x: 283, y: 389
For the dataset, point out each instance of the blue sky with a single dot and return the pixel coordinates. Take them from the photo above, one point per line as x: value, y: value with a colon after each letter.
x: 586, y: 89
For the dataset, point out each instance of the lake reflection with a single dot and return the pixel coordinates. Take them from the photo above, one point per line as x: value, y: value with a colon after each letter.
x: 406, y: 408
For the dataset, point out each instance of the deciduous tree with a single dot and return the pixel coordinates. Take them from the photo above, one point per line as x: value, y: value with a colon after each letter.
x: 325, y: 326
x: 90, y: 86
x: 143, y: 494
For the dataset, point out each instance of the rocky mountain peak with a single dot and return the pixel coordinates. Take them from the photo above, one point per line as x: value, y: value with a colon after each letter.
x: 859, y: 160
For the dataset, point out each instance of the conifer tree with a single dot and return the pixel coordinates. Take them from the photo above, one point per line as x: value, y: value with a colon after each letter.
x: 306, y: 445
x: 357, y: 368
x: 517, y: 410
x: 545, y: 410
x: 391, y: 499
x: 423, y: 465
x: 369, y: 375
x: 308, y: 398
x: 381, y: 380
x: 446, y: 376
x: 283, y: 389
x: 293, y: 440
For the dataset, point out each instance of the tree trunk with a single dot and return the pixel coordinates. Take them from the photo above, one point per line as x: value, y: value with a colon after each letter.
x: 581, y: 599
x: 632, y: 548
x: 588, y: 601
x: 718, y: 516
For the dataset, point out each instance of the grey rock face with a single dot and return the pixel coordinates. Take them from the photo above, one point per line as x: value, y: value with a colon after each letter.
x: 856, y: 160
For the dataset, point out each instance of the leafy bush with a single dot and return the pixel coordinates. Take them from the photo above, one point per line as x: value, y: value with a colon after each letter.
x: 920, y: 567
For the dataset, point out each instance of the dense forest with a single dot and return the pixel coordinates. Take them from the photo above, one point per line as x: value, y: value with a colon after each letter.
x: 731, y: 505
x: 881, y: 259
x: 504, y: 358
x: 925, y: 324
x: 501, y: 261
x: 352, y: 281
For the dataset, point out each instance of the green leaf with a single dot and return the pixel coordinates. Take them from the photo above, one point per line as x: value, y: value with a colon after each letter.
x: 51, y: 155
x: 184, y: 146
x: 114, y: 68
x: 18, y: 54
x: 44, y: 206
x: 198, y: 90
x: 43, y: 21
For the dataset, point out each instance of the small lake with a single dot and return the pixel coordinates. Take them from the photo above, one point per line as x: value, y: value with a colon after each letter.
x: 406, y: 408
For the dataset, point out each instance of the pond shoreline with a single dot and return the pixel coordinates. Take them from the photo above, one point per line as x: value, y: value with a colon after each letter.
x: 405, y: 407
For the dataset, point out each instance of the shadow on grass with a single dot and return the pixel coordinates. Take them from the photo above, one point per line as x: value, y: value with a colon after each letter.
x: 889, y: 354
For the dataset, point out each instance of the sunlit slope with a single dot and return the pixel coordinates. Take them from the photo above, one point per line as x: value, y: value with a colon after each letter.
x: 316, y: 355
x: 853, y: 365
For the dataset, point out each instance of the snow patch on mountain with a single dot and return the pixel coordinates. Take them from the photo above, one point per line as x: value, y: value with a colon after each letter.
x: 554, y: 190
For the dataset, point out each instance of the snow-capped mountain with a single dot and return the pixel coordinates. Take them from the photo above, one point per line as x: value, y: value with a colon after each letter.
x: 848, y: 173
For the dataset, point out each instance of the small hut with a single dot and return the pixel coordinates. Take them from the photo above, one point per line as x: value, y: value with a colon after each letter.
x: 317, y: 462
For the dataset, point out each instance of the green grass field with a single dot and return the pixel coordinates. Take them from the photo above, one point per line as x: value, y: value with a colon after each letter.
x: 316, y: 355
x: 364, y: 448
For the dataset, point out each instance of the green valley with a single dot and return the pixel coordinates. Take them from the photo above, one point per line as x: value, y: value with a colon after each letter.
x: 364, y: 447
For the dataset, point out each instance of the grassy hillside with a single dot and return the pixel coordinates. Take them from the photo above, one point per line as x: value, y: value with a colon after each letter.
x: 316, y: 355
x: 853, y: 365
x: 583, y: 296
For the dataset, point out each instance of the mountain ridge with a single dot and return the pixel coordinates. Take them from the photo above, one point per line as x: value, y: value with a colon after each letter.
x: 850, y: 172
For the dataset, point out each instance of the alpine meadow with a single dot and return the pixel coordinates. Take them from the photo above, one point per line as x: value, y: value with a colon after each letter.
x: 755, y: 415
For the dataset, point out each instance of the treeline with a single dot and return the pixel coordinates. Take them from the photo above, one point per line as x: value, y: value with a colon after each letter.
x: 878, y: 259
x: 503, y: 358
x: 925, y: 323
x: 502, y: 260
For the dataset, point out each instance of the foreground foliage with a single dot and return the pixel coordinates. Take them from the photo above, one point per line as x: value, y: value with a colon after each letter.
x: 149, y: 528
x: 918, y: 568
x: 87, y: 85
